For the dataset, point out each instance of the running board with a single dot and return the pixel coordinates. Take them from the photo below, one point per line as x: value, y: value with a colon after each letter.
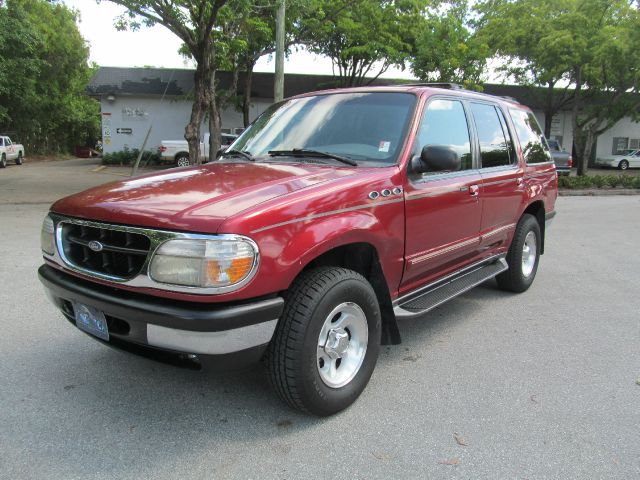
x: 445, y: 290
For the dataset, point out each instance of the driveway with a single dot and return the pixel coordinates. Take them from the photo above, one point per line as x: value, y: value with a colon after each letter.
x: 492, y: 385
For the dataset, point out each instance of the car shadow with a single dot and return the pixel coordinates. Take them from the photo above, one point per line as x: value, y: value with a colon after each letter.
x: 140, y: 399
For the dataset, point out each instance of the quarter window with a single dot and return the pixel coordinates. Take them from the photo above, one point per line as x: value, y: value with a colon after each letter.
x: 444, y: 123
x: 534, y: 147
x: 494, y: 147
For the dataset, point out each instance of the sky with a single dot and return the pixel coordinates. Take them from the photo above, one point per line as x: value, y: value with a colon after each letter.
x: 158, y: 47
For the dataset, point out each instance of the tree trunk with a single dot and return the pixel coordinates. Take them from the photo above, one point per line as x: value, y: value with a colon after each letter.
x: 200, y: 91
x: 579, y: 137
x: 246, y: 95
x: 548, y: 115
x: 215, y: 125
x: 549, y: 110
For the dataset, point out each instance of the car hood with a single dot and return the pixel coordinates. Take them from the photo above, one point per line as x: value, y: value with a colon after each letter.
x: 196, y: 199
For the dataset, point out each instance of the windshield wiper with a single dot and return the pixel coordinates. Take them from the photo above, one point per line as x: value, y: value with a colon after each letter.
x: 231, y: 153
x: 312, y: 153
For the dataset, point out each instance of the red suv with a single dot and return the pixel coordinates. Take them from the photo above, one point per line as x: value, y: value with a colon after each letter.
x: 332, y: 216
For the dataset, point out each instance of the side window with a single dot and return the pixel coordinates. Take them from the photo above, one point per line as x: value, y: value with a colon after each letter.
x: 445, y: 123
x: 534, y: 148
x: 494, y: 148
x: 1, y: 142
x: 8, y: 142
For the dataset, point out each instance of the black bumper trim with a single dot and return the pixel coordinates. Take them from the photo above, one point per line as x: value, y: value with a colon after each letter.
x: 192, y: 316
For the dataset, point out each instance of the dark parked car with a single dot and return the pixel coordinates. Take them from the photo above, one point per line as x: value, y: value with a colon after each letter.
x: 562, y: 159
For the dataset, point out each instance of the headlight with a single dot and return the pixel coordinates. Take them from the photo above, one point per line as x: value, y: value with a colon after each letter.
x: 47, y: 236
x: 204, y: 263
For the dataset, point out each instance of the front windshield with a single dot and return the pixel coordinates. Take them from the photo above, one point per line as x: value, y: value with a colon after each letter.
x: 367, y: 127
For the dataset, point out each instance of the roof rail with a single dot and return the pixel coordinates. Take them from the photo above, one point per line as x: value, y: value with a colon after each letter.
x: 449, y: 86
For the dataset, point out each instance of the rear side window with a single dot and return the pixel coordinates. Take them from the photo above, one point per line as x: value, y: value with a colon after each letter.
x: 444, y: 123
x: 494, y: 146
x: 534, y: 148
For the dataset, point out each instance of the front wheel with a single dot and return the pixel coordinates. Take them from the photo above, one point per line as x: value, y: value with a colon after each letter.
x: 3, y: 161
x: 327, y: 342
x: 19, y: 159
x: 623, y: 165
x: 182, y: 160
x: 523, y: 256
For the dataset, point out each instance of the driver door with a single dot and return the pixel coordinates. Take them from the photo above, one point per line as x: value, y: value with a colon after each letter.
x: 443, y: 209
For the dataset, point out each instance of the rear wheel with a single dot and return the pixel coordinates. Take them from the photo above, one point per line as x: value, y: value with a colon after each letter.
x: 3, y: 161
x: 19, y: 159
x: 623, y: 165
x: 523, y: 256
x: 327, y: 342
x: 182, y: 160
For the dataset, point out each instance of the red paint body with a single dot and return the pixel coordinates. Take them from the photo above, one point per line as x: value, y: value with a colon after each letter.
x: 430, y: 230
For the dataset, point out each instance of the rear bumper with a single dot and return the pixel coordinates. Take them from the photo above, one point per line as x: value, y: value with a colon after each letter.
x: 222, y: 336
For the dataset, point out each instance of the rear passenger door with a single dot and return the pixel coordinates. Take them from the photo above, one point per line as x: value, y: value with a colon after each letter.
x: 502, y: 187
x: 443, y: 209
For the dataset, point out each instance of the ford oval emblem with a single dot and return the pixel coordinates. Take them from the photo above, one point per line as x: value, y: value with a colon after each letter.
x: 95, y: 246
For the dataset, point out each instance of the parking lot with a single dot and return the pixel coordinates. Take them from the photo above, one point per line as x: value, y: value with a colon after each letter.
x: 492, y: 385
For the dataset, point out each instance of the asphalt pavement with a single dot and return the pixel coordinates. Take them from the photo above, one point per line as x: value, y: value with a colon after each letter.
x: 541, y: 385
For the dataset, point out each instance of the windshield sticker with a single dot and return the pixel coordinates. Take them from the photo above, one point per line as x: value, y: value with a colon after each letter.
x: 384, y: 146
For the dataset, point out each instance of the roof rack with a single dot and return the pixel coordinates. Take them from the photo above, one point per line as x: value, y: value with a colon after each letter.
x: 449, y: 86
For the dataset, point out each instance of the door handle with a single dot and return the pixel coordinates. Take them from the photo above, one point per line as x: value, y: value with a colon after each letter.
x: 473, y: 190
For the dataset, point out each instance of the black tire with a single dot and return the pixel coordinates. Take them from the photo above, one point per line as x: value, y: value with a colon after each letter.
x: 514, y: 279
x: 292, y: 355
x: 19, y: 159
x: 3, y: 161
x: 182, y: 160
x: 623, y: 165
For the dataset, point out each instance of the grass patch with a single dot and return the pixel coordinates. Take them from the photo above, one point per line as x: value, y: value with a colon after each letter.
x: 599, y: 181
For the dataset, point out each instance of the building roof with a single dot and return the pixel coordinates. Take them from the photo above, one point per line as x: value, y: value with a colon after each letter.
x: 179, y: 82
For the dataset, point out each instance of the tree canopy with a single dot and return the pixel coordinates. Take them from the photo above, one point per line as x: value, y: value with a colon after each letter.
x: 363, y: 38
x: 43, y: 78
x: 586, y: 47
x: 447, y: 48
x: 193, y: 21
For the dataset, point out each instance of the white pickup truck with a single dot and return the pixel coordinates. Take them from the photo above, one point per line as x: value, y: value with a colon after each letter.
x: 10, y: 151
x: 177, y: 151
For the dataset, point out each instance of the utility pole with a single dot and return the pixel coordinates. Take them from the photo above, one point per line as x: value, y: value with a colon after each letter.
x: 278, y: 87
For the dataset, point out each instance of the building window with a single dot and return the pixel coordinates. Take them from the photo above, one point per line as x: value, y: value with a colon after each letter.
x: 622, y: 144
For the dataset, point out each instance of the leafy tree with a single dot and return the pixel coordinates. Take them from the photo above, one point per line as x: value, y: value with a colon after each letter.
x: 193, y: 21
x: 587, y: 45
x: 447, y: 49
x: 246, y: 33
x: 363, y: 38
x: 44, y: 76
x: 520, y: 30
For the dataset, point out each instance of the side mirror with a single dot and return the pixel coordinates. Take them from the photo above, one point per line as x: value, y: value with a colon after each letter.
x: 436, y: 158
x: 220, y: 152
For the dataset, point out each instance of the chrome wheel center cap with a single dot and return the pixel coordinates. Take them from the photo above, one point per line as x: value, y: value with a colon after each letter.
x: 337, y: 343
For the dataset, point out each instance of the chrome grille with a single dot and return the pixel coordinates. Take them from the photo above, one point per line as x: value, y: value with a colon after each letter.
x: 115, y: 253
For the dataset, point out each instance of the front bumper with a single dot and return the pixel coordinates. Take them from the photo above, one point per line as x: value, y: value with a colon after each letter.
x: 219, y: 336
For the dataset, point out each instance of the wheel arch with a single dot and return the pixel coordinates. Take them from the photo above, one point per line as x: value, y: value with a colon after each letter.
x: 180, y: 154
x: 538, y: 211
x: 363, y: 258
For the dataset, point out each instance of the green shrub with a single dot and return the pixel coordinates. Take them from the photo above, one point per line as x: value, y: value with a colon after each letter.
x: 599, y: 181
x: 127, y: 157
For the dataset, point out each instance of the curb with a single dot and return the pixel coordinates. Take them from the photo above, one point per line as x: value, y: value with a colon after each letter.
x: 597, y: 192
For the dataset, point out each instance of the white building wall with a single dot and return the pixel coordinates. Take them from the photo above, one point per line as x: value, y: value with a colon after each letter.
x: 126, y: 120
x: 562, y: 126
x: 625, y: 128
